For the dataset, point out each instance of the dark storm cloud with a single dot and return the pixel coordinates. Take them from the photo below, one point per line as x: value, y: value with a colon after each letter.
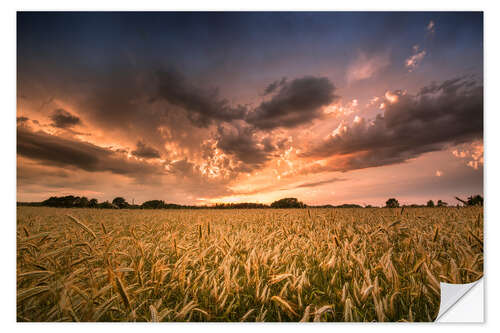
x: 272, y: 87
x: 128, y: 98
x: 161, y: 106
x: 157, y: 106
x: 439, y: 115
x: 57, y: 151
x: 63, y: 119
x: 145, y: 151
x: 202, y: 106
x: 123, y: 103
x: 242, y: 142
x: 295, y: 103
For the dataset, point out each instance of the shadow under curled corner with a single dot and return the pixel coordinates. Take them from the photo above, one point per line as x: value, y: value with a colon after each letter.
x: 462, y: 303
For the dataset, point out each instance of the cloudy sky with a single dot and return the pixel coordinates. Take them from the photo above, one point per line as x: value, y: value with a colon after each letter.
x: 197, y: 108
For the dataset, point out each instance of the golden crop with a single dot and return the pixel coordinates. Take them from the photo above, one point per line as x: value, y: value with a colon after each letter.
x: 242, y: 265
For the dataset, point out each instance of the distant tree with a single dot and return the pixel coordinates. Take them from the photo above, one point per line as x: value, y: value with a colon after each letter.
x: 67, y: 201
x: 82, y: 202
x: 153, y: 204
x: 368, y: 206
x: 392, y: 203
x: 441, y: 203
x: 349, y: 206
x: 120, y: 202
x: 93, y: 203
x: 51, y: 202
x: 476, y: 200
x: 288, y: 203
x: 430, y: 203
x: 107, y: 205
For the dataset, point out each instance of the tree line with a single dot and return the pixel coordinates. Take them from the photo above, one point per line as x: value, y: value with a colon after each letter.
x: 71, y: 201
x: 474, y: 200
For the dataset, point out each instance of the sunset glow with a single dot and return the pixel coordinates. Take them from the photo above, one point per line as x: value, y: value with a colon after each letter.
x: 203, y: 108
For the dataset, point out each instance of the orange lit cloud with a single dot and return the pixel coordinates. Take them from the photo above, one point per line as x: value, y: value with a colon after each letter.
x: 431, y: 27
x: 472, y: 153
x: 391, y: 97
x: 340, y: 109
x: 413, y: 61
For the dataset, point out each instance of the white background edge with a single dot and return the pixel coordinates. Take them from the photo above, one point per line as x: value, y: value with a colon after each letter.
x: 8, y: 165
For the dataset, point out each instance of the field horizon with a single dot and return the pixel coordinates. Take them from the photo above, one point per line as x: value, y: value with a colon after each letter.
x: 72, y: 201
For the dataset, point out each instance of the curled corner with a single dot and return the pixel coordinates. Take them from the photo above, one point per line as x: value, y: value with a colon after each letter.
x: 451, y: 294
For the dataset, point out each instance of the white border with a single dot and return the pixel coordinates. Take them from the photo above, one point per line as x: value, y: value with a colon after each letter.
x: 8, y: 135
